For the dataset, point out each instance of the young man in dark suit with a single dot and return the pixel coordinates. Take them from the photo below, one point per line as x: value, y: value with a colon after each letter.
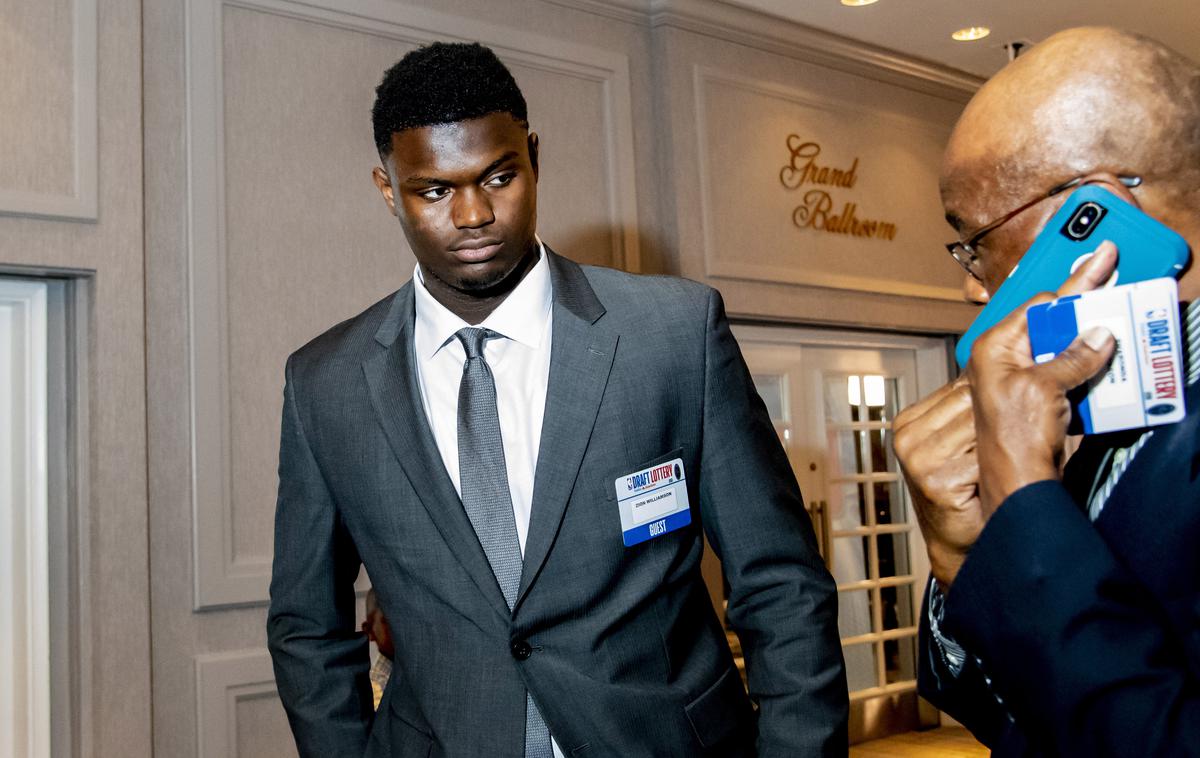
x: 524, y: 453
x: 1064, y: 613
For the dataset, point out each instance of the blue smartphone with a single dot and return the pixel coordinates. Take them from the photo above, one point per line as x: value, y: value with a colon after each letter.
x: 1146, y: 249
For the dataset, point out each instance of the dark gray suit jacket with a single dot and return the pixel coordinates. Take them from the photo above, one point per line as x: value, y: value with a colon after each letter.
x: 625, y: 655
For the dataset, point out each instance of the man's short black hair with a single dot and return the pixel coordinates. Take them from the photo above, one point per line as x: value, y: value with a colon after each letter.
x: 443, y: 83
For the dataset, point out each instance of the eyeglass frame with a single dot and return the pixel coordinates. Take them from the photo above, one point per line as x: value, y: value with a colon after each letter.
x: 963, y: 250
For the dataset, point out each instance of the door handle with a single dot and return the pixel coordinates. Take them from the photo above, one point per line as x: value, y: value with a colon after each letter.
x: 819, y: 513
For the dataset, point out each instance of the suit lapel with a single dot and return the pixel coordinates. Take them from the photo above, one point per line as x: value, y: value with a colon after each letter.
x: 1141, y: 499
x: 1149, y: 521
x: 581, y: 357
x: 391, y: 376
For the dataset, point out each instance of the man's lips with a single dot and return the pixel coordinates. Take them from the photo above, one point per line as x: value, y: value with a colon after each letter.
x: 477, y: 251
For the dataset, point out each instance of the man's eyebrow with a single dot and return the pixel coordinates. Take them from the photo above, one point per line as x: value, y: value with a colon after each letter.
x: 433, y: 181
x: 498, y: 162
x: 427, y: 181
x: 953, y: 220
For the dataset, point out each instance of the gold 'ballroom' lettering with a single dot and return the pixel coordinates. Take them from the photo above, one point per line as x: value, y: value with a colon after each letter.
x: 815, y: 214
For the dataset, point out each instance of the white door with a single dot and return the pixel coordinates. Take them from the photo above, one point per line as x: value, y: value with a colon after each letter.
x: 24, y: 532
x: 833, y: 397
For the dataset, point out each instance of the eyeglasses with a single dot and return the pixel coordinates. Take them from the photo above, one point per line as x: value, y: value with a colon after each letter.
x: 964, y: 251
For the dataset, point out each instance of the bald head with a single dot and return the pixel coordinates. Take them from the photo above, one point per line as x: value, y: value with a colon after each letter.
x: 1087, y: 100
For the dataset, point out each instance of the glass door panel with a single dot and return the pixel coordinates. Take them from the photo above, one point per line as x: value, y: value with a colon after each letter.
x: 833, y: 398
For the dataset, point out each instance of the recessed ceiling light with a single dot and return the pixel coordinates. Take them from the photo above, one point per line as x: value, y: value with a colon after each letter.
x: 856, y: 3
x: 971, y: 33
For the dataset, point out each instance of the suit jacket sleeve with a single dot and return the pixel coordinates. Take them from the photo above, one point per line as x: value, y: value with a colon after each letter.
x: 782, y: 601
x: 1078, y: 650
x: 966, y: 696
x: 321, y: 662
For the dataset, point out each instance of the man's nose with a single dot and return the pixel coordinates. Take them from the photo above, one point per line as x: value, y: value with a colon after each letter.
x: 974, y: 291
x: 472, y: 209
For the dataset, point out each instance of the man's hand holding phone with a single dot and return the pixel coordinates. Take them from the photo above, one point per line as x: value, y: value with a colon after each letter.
x: 1021, y: 408
x: 936, y: 439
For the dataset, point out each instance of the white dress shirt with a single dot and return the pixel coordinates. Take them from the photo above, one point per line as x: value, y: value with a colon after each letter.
x: 520, y: 364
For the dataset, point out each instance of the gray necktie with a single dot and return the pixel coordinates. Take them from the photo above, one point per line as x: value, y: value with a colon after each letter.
x: 483, y: 481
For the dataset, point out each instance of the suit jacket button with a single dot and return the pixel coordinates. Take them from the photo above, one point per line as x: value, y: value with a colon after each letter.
x: 520, y: 649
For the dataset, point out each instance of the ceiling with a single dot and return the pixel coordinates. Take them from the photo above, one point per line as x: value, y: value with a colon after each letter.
x: 921, y: 28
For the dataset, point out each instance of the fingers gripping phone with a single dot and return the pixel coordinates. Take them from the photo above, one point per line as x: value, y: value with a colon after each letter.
x: 1146, y: 249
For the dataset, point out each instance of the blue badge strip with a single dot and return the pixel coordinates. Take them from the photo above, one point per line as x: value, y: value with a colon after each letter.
x: 657, y: 528
x: 1052, y: 328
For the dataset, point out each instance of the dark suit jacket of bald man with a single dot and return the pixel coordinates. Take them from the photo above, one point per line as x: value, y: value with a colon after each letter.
x: 1087, y: 634
x: 620, y: 647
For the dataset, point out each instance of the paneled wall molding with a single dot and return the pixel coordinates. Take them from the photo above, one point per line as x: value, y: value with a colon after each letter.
x: 81, y: 204
x: 743, y: 26
x: 732, y: 268
x: 222, y: 680
x: 221, y: 577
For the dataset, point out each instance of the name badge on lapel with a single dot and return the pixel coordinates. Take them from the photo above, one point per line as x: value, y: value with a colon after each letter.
x: 652, y: 502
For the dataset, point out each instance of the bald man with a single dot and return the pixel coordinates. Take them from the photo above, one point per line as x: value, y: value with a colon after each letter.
x: 1063, y: 615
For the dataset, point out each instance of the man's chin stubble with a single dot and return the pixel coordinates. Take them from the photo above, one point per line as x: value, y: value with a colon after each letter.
x: 489, y: 287
x: 497, y: 284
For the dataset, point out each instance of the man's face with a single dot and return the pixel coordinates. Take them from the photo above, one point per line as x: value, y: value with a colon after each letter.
x: 971, y: 201
x: 466, y: 196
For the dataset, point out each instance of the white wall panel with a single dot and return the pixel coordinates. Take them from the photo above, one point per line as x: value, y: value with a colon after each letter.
x: 48, y: 161
x: 729, y: 109
x: 751, y: 220
x: 237, y: 709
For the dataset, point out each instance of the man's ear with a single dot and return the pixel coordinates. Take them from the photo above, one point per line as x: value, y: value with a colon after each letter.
x: 533, y: 153
x: 384, y: 183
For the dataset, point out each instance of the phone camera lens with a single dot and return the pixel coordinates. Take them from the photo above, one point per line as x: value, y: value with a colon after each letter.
x: 1083, y: 221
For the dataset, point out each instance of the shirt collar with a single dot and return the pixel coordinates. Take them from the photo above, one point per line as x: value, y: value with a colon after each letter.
x: 521, y: 317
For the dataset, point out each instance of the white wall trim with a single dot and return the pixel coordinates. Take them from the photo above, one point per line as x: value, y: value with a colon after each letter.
x: 222, y: 679
x: 789, y: 334
x: 77, y: 458
x: 726, y: 269
x: 772, y: 34
x: 221, y: 578
x: 207, y: 327
x: 630, y: 11
x: 24, y: 521
x: 761, y: 31
x: 82, y: 203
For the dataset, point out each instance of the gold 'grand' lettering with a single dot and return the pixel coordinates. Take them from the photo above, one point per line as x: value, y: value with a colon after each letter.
x: 803, y: 168
x: 816, y: 212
